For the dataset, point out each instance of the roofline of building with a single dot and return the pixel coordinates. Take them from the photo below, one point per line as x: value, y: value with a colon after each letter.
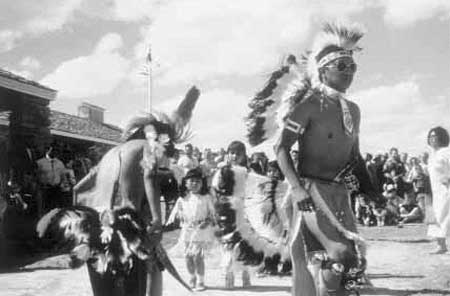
x: 81, y: 137
x: 92, y: 106
x: 71, y: 135
x: 23, y: 87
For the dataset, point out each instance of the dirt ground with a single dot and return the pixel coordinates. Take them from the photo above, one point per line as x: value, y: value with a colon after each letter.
x: 399, y: 265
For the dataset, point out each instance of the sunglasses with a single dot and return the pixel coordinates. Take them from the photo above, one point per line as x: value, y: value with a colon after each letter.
x: 344, y: 67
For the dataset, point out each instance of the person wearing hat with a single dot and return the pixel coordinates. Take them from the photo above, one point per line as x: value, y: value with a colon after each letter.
x: 326, y: 126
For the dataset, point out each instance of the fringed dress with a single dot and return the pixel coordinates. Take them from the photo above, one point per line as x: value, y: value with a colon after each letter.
x: 196, y: 215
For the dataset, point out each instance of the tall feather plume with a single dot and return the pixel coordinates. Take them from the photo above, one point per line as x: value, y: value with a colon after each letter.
x: 181, y: 117
x: 262, y: 121
x: 178, y: 122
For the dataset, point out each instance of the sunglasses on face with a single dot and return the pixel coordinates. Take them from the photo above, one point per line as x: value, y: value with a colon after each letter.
x: 344, y: 67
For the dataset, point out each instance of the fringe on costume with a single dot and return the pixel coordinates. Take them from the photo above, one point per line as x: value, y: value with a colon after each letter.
x: 244, y: 242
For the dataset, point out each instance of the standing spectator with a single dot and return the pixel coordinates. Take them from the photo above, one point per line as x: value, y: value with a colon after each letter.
x: 394, y: 170
x: 404, y: 160
x: 197, y: 154
x: 50, y: 172
x: 421, y: 185
x: 67, y: 183
x: 208, y: 166
x: 188, y: 161
x: 221, y: 156
x: 423, y: 159
x: 81, y: 166
x: 177, y: 170
x: 439, y: 169
x: 374, y: 168
x: 413, y: 165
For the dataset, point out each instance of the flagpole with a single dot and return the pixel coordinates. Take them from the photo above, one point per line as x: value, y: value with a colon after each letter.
x: 149, y: 81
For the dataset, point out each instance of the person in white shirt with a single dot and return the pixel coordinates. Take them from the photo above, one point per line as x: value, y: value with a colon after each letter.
x: 439, y: 169
x: 50, y: 173
x: 188, y: 161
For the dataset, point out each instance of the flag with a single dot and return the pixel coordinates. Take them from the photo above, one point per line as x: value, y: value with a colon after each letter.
x: 149, y: 55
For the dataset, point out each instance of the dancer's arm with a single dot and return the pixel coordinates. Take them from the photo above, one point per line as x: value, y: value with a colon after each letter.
x: 294, y: 127
x: 153, y: 196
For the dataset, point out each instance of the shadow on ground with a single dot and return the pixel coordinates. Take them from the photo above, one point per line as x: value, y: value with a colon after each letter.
x: 389, y: 275
x: 255, y: 288
x: 402, y: 292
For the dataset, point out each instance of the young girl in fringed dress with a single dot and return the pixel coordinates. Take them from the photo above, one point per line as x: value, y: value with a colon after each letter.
x: 195, y: 211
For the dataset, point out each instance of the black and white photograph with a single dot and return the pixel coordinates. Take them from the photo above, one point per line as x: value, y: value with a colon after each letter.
x: 224, y: 147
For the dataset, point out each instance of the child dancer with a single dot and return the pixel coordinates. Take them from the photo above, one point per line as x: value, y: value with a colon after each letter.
x: 236, y: 161
x: 195, y: 210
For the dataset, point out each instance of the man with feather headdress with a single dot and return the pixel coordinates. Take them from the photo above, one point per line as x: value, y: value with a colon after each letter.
x: 128, y: 176
x: 306, y: 103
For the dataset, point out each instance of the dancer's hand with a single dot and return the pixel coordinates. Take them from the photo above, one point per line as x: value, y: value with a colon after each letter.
x: 155, y: 232
x: 303, y: 199
x: 306, y: 205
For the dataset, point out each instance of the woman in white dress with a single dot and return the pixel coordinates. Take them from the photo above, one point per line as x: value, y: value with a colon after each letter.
x: 439, y: 169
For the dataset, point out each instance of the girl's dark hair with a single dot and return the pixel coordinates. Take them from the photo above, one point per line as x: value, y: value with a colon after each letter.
x: 274, y: 165
x: 441, y: 134
x: 238, y: 146
x: 197, y: 174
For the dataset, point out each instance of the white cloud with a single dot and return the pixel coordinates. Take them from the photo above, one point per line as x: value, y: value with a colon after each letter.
x: 8, y: 40
x: 134, y: 10
x: 23, y: 17
x: 398, y: 115
x: 49, y: 15
x: 406, y: 12
x: 109, y: 42
x: 199, y: 40
x: 92, y: 75
x: 30, y: 63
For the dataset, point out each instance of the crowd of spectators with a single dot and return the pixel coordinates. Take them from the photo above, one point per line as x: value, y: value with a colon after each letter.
x: 403, y: 183
x: 47, y: 181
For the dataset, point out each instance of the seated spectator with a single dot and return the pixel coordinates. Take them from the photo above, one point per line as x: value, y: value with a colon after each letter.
x: 363, y: 211
x: 410, y: 212
x: 393, y: 202
x: 380, y: 212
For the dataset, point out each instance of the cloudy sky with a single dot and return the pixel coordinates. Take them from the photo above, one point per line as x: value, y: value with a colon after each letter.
x: 93, y: 51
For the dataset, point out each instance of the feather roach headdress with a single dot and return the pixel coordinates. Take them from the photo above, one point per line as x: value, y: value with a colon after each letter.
x: 333, y: 42
x: 291, y: 83
x: 175, y: 126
